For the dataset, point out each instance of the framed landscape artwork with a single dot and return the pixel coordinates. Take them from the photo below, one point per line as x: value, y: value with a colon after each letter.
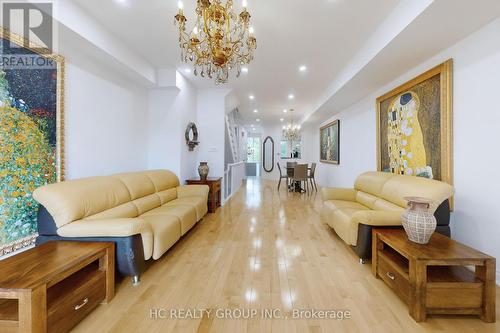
x: 414, y: 126
x: 31, y: 135
x: 329, y: 140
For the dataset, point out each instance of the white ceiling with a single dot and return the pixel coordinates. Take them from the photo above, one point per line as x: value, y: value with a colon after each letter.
x: 321, y: 34
x: 325, y: 35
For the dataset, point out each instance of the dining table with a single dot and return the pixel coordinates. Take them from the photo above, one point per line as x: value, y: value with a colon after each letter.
x: 296, y: 186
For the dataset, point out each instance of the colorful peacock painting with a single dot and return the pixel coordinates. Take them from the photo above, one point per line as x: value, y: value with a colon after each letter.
x: 28, y: 146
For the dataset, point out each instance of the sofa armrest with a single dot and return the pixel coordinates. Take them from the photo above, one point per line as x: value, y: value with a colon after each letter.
x: 193, y: 191
x: 120, y: 227
x: 336, y: 193
x: 377, y: 217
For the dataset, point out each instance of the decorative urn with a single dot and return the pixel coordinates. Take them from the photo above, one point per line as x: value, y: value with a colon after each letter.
x: 417, y: 221
x: 203, y: 170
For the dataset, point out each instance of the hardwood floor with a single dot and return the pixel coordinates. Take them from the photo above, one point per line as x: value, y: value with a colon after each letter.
x: 264, y: 250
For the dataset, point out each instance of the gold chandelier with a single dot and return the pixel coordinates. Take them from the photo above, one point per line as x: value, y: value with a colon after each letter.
x: 291, y: 132
x: 220, y: 41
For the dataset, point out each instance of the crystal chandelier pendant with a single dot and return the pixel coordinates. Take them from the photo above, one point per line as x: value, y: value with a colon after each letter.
x: 291, y: 132
x: 220, y: 41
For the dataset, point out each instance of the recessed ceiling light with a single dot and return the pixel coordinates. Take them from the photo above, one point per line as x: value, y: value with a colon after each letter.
x: 303, y: 68
x: 285, y: 110
x: 252, y: 97
x: 244, y: 69
x: 257, y: 120
x: 255, y: 111
x: 282, y: 119
x: 122, y: 2
x: 291, y: 96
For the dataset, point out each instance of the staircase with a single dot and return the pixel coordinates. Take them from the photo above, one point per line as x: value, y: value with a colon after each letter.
x: 232, y: 131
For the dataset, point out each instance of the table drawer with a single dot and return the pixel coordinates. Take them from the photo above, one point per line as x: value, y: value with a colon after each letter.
x: 71, y: 300
x: 393, y: 278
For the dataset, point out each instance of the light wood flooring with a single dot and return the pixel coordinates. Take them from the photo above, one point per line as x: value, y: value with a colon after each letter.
x: 264, y: 250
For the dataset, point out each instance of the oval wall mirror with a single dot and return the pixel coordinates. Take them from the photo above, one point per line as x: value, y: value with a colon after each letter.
x: 268, y: 154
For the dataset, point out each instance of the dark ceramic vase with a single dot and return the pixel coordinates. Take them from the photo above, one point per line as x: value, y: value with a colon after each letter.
x: 203, y: 170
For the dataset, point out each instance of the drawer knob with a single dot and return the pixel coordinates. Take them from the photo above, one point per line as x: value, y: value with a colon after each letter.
x: 391, y: 275
x: 79, y: 306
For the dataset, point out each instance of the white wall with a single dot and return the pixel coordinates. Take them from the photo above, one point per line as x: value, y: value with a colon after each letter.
x: 170, y: 111
x: 211, y: 122
x: 105, y: 120
x: 476, y: 136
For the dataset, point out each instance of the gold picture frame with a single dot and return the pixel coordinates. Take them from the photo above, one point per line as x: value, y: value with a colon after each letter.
x: 323, y: 154
x: 442, y: 110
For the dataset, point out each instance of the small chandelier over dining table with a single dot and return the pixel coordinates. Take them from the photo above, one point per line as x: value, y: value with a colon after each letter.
x: 220, y: 41
x: 291, y: 132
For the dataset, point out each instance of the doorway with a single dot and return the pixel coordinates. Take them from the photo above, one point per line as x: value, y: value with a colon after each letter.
x: 253, y: 156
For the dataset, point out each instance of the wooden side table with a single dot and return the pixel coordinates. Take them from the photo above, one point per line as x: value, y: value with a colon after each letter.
x: 52, y: 287
x: 432, y: 278
x: 214, y: 196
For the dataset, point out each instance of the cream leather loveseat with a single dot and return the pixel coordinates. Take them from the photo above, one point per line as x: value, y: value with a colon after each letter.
x: 144, y: 213
x: 377, y: 200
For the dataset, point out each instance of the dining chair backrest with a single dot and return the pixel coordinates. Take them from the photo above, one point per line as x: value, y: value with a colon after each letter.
x: 289, y: 168
x: 279, y: 169
x: 300, y: 172
x: 313, y: 170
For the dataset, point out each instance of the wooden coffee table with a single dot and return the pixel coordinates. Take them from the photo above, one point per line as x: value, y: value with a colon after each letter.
x: 51, y: 287
x: 432, y: 278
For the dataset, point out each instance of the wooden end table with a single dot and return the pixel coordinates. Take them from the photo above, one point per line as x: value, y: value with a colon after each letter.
x: 52, y: 287
x: 214, y: 196
x: 432, y: 278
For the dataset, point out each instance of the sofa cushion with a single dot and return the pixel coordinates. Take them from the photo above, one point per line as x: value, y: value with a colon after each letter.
x: 166, y: 230
x: 126, y: 210
x: 198, y: 203
x: 167, y: 195
x: 372, y: 182
x: 382, y: 204
x: 186, y: 215
x: 399, y: 187
x: 147, y: 203
x: 366, y: 199
x: 138, y: 184
x: 337, y: 204
x: 73, y: 200
x: 162, y: 179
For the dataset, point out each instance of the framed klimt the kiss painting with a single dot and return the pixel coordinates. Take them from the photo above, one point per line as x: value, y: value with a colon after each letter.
x: 414, y: 126
x: 31, y: 135
x: 329, y: 145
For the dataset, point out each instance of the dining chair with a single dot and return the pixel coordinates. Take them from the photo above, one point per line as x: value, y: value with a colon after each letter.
x: 311, y: 176
x: 289, y: 168
x: 285, y: 176
x: 300, y: 175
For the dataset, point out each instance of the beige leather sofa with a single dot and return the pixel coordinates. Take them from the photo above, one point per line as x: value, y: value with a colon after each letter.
x: 377, y: 200
x: 149, y: 205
